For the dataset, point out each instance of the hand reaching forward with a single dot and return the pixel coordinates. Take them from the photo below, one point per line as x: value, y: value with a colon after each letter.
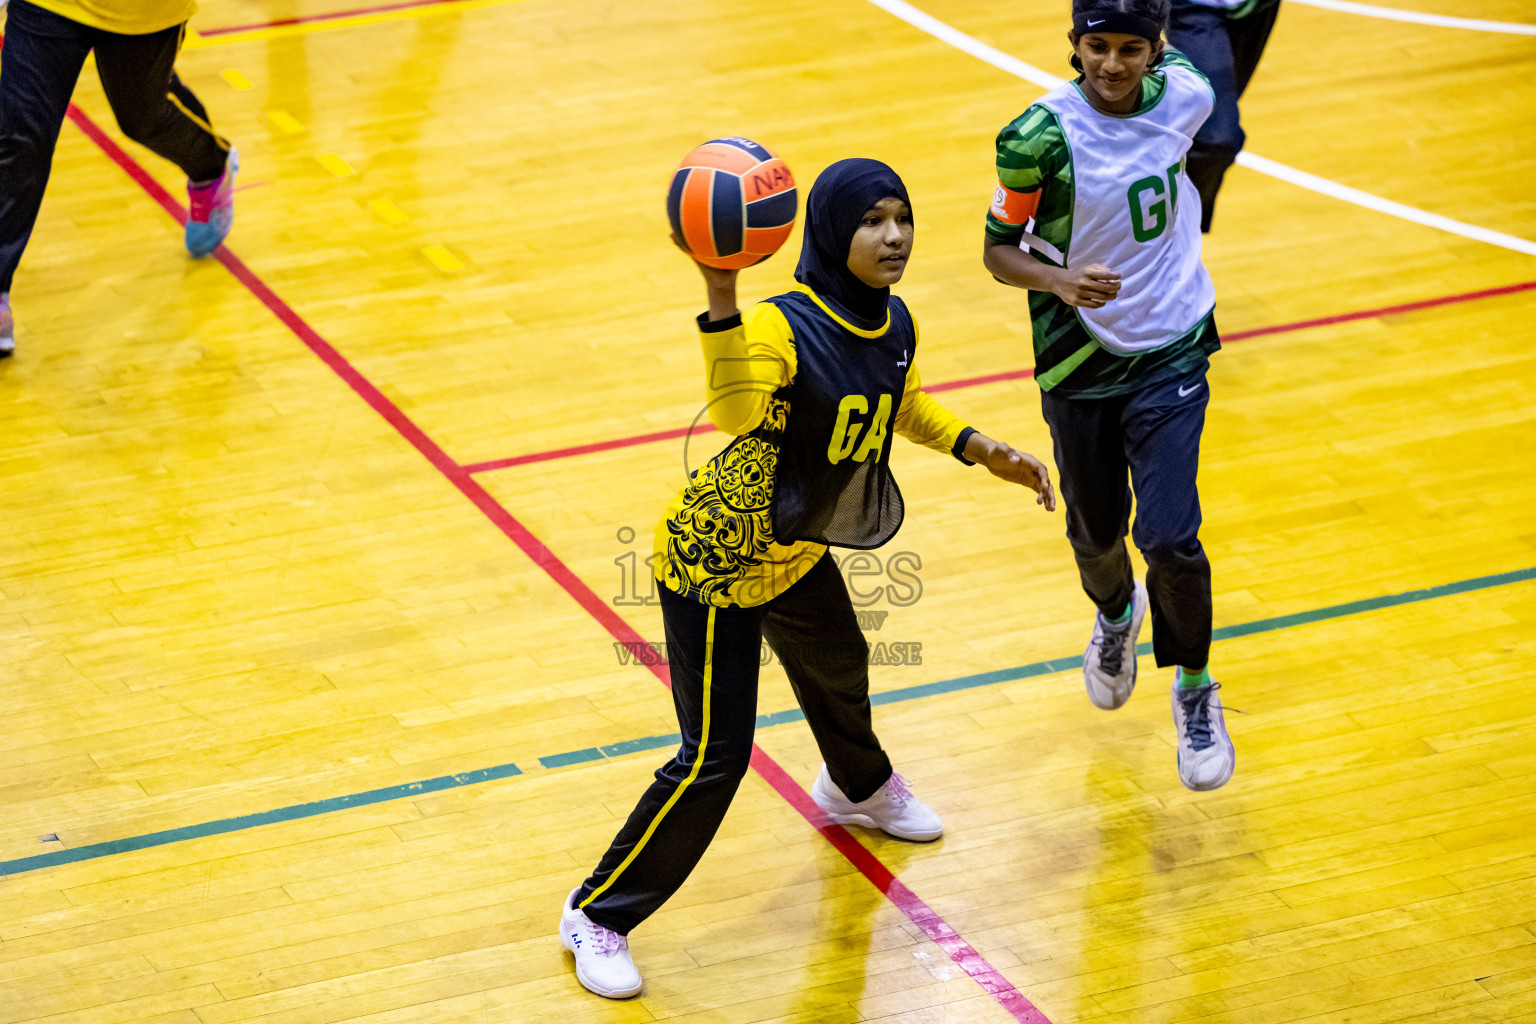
x: 1016, y: 467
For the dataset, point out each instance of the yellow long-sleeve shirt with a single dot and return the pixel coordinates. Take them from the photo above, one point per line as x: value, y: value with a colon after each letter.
x: 715, y: 542
x: 125, y: 17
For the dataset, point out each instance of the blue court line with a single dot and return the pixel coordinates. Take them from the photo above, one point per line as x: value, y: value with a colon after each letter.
x: 245, y: 821
x: 666, y: 740
x: 1070, y: 664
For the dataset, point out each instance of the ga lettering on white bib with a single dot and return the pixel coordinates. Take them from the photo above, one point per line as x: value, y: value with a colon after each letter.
x: 1136, y: 211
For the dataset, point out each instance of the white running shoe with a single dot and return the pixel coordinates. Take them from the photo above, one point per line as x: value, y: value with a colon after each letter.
x: 1109, y: 664
x: 892, y: 809
x: 1206, y: 755
x: 603, y: 963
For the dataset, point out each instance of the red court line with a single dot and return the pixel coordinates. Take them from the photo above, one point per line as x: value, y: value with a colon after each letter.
x: 531, y: 545
x: 870, y: 866
x: 971, y: 382
x: 918, y: 912
x: 701, y: 428
x: 1007, y: 375
x: 313, y: 18
x: 596, y: 446
x: 1370, y: 314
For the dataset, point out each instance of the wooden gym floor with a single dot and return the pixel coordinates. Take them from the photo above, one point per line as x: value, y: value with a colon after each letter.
x: 315, y: 696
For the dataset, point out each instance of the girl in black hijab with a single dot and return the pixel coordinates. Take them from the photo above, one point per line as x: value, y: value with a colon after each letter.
x: 811, y: 383
x: 836, y: 206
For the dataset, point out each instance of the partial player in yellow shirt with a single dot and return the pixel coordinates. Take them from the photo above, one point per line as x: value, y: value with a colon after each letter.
x: 136, y: 42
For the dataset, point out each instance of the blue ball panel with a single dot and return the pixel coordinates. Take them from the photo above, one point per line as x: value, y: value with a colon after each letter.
x: 775, y: 211
x: 726, y: 217
x: 675, y: 204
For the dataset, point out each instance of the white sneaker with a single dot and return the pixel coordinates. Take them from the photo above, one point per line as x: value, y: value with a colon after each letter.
x: 1109, y: 664
x: 603, y: 963
x: 892, y: 809
x: 1206, y: 755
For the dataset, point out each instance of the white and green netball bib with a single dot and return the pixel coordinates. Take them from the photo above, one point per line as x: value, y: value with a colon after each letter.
x: 1135, y: 211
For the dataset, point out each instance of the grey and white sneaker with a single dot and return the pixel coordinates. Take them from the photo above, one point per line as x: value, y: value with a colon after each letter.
x: 892, y: 809
x: 1206, y: 755
x: 1109, y: 664
x: 603, y: 963
x: 7, y: 327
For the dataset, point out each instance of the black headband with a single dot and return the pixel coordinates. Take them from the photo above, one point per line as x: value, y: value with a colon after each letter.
x: 1116, y: 21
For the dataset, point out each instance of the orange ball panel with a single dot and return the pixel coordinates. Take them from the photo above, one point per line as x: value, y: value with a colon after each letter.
x: 766, y: 179
x: 697, y: 233
x: 767, y: 240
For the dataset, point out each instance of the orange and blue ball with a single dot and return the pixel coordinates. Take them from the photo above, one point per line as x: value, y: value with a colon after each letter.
x: 732, y: 203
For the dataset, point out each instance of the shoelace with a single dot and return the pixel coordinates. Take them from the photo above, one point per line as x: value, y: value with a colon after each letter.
x: 1197, y: 715
x: 1112, y: 647
x: 605, y: 942
x: 897, y: 789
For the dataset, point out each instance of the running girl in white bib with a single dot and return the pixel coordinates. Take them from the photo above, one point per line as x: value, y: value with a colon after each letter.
x: 1095, y: 215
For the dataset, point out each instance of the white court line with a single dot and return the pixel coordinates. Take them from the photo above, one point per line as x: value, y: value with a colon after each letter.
x: 1045, y: 80
x: 1275, y: 169
x: 1420, y: 18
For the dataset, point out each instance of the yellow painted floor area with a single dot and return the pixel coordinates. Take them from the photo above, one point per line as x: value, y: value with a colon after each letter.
x: 229, y: 587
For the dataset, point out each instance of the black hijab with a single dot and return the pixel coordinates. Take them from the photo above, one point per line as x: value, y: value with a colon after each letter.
x: 836, y: 204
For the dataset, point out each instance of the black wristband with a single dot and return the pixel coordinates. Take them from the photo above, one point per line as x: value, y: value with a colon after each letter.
x: 958, y: 451
x: 708, y: 326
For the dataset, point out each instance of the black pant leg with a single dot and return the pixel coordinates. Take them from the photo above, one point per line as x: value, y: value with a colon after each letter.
x: 153, y: 107
x: 1249, y: 36
x: 42, y: 60
x: 1203, y: 35
x: 714, y: 656
x: 1162, y: 433
x: 1093, y: 476
x: 814, y: 630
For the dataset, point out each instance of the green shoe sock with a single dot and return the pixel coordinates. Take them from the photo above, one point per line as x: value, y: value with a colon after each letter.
x: 1189, y: 680
x: 1122, y: 619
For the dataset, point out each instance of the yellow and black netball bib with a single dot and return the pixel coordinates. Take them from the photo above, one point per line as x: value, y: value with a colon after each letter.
x: 832, y: 478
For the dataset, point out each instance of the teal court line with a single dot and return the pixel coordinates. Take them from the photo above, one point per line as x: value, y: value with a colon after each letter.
x: 506, y: 771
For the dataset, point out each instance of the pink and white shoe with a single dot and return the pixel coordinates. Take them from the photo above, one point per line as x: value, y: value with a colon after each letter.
x: 892, y: 809
x: 603, y: 963
x: 212, y: 209
x: 7, y: 327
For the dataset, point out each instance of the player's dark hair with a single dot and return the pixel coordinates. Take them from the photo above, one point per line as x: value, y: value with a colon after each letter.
x: 1150, y: 12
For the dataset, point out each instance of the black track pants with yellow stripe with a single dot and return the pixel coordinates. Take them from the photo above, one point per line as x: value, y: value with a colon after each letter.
x: 44, y: 53
x: 714, y: 655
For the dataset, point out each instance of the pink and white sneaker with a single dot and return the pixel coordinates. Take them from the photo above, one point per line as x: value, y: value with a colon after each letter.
x: 212, y: 209
x: 892, y: 809
x: 603, y: 963
x: 7, y: 327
